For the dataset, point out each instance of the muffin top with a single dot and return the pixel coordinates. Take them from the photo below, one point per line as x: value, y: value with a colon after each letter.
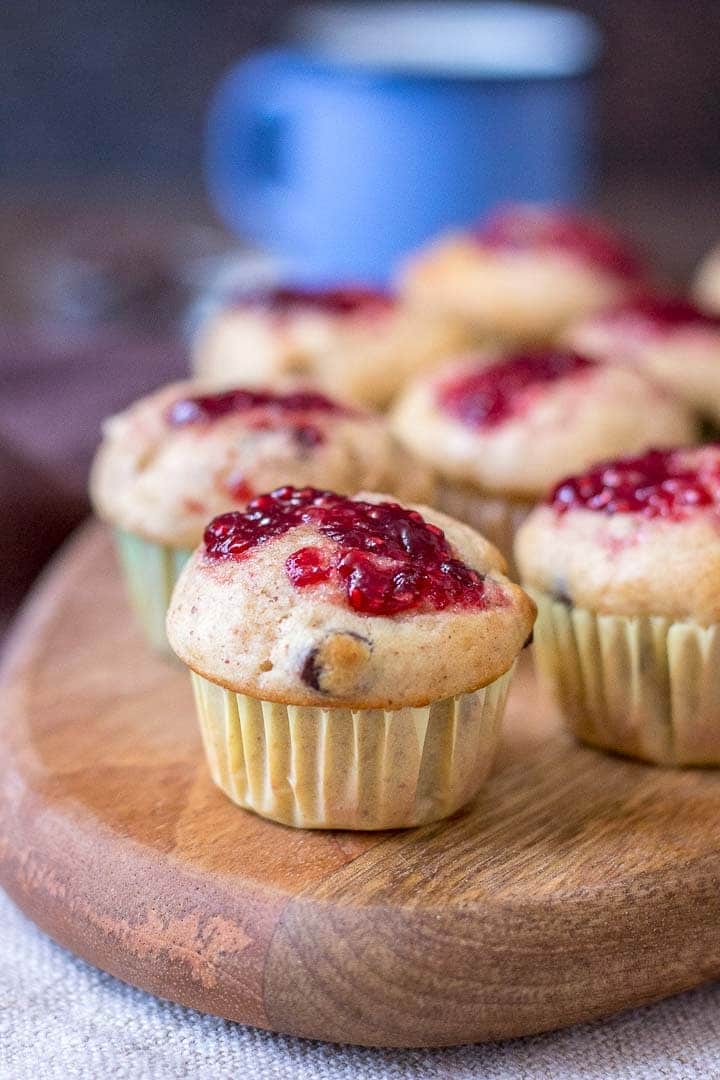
x: 634, y: 536
x: 312, y: 598
x: 181, y: 455
x: 667, y: 338
x: 514, y: 424
x: 644, y: 324
x: 706, y: 288
x: 526, y: 269
x: 356, y: 342
x: 542, y: 230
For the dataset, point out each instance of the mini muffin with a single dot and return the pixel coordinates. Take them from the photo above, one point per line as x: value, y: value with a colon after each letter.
x: 176, y: 458
x: 624, y: 563
x: 502, y: 431
x: 359, y: 344
x: 668, y: 338
x: 524, y: 274
x: 350, y: 657
x: 707, y: 282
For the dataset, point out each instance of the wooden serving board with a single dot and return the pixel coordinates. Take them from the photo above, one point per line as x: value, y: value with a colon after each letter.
x: 576, y: 885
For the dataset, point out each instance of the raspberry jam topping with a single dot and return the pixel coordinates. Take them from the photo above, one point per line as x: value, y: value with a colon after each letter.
x: 650, y: 314
x: 207, y: 407
x: 385, y: 559
x: 272, y: 412
x: 526, y: 228
x: 490, y: 395
x: 659, y: 484
x: 352, y: 300
x: 238, y: 488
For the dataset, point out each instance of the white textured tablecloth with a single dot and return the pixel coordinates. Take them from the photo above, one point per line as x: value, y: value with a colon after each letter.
x: 61, y: 1019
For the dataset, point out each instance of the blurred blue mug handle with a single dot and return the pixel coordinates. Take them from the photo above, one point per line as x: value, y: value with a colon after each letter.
x: 248, y: 143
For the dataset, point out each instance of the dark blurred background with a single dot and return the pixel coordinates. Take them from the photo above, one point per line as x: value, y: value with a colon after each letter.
x: 102, y: 108
x: 105, y: 90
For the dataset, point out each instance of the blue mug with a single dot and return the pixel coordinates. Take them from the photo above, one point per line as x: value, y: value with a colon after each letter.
x: 389, y: 123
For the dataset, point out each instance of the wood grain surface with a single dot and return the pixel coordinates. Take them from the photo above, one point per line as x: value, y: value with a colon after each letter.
x: 577, y: 884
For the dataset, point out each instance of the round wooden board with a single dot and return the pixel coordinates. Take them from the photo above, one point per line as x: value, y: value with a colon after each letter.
x: 576, y: 885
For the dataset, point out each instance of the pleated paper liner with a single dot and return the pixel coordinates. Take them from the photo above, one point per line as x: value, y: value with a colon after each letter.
x: 150, y: 570
x: 339, y: 768
x: 648, y: 687
x: 496, y: 518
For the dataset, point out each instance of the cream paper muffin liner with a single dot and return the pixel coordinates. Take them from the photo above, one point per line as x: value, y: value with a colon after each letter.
x: 645, y: 686
x: 496, y: 518
x: 150, y: 570
x: 339, y: 768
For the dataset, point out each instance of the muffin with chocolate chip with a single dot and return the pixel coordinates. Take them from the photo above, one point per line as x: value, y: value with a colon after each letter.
x: 357, y: 343
x: 524, y: 274
x: 624, y: 564
x: 667, y: 338
x: 350, y: 657
x: 501, y: 430
x: 178, y: 457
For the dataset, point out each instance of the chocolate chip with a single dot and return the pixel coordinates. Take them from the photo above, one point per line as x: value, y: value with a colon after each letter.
x: 560, y: 594
x: 336, y: 665
x: 310, y: 673
x: 307, y: 436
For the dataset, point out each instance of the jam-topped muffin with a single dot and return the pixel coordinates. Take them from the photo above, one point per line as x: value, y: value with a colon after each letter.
x: 500, y: 431
x: 523, y: 274
x: 350, y: 657
x: 182, y: 455
x: 358, y: 343
x: 706, y: 288
x: 624, y: 562
x: 666, y: 337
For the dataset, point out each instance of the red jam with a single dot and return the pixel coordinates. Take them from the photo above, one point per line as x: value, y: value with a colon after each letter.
x: 536, y: 227
x: 207, y: 407
x: 238, y: 488
x: 659, y: 484
x: 490, y: 395
x: 273, y: 412
x: 384, y: 558
x: 352, y: 300
x: 651, y: 314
